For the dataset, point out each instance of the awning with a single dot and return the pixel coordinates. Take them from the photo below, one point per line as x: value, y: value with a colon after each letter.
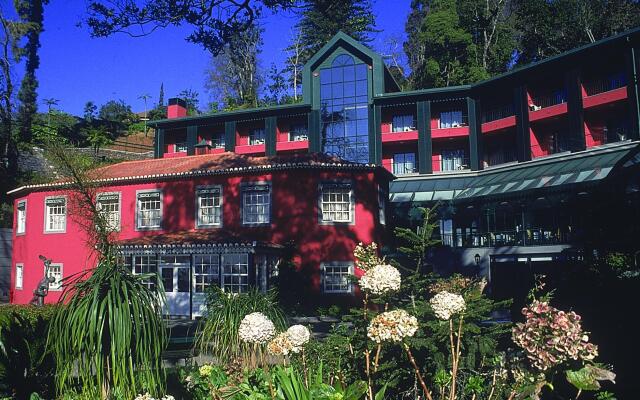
x: 548, y: 173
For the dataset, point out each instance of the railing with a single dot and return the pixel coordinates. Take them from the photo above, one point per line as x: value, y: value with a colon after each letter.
x: 606, y: 84
x: 548, y: 100
x: 497, y: 113
x: 454, y: 164
x: 614, y: 134
x: 501, y: 157
x: 404, y: 126
x: 457, y: 123
x: 529, y: 237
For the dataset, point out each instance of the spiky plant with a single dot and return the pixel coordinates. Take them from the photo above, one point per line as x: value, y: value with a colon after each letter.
x: 219, y: 334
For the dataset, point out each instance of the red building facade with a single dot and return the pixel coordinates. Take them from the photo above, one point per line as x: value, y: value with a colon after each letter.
x: 224, y: 220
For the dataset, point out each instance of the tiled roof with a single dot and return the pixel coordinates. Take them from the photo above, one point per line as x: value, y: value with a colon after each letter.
x: 217, y: 237
x: 211, y: 164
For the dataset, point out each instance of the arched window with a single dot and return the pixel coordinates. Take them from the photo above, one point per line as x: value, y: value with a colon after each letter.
x: 344, y: 97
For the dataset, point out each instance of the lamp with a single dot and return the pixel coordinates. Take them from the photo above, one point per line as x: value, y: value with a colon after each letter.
x: 477, y: 259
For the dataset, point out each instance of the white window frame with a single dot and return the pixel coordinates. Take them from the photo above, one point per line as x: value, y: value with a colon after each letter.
x: 352, y: 202
x: 255, y: 186
x: 19, y: 276
x: 382, y: 205
x: 56, y: 286
x: 252, y: 137
x: 202, y: 286
x: 47, y: 215
x: 146, y: 261
x: 207, y: 190
x: 21, y: 217
x: 337, y: 264
x: 244, y: 257
x: 115, y: 228
x: 139, y: 211
x: 296, y: 136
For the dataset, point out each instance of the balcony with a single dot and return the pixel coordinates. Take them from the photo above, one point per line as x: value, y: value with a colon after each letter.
x: 548, y: 105
x: 607, y: 84
x: 528, y: 237
x: 451, y: 126
x: 499, y: 118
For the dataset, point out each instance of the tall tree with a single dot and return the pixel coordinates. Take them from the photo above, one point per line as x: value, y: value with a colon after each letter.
x: 161, y: 95
x: 214, y: 22
x: 319, y: 21
x: 32, y: 13
x: 446, y: 49
x: 191, y: 98
x: 234, y: 78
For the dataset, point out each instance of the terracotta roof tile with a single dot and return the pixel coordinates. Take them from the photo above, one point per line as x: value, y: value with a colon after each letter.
x: 210, y: 236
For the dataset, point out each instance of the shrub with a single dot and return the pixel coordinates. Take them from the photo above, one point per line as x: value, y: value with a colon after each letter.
x: 25, y: 364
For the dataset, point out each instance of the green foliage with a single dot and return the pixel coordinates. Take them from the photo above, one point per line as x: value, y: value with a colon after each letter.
x: 98, y: 137
x: 225, y: 311
x: 190, y: 97
x: 25, y: 364
x: 418, y: 242
x: 117, y: 114
x: 110, y: 333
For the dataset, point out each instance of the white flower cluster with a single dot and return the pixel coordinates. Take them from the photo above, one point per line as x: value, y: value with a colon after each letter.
x: 299, y: 336
x: 147, y: 396
x: 381, y: 279
x: 446, y: 304
x: 256, y: 328
x: 392, y: 326
x: 293, y: 340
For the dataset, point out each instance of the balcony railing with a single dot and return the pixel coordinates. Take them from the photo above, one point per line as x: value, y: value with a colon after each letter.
x: 529, y: 237
x: 454, y: 164
x: 500, y: 157
x: 495, y: 114
x: 548, y: 100
x: 606, y: 84
x: 453, y: 123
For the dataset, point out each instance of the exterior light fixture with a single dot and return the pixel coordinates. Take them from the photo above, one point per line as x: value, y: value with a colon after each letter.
x: 477, y: 259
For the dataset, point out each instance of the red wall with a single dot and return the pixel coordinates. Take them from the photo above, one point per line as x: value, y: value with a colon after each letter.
x: 294, y: 220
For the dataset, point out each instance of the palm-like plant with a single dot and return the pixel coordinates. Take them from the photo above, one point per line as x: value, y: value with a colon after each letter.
x: 219, y: 334
x: 110, y: 334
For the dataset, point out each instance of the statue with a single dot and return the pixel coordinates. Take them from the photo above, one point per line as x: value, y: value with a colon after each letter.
x: 43, y: 287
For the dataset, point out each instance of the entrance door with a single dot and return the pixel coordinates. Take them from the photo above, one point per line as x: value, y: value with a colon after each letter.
x: 177, y: 286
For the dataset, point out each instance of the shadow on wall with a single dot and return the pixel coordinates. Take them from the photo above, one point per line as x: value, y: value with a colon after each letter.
x: 5, y: 264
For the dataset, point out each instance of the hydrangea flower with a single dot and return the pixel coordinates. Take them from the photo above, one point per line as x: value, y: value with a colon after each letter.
x: 381, y: 279
x: 366, y: 256
x: 446, y: 304
x: 550, y: 336
x: 205, y: 370
x: 256, y: 328
x: 299, y: 335
x: 280, y: 345
x: 147, y: 396
x: 392, y: 326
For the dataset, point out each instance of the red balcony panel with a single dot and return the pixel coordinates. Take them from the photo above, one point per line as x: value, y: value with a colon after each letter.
x: 606, y: 97
x: 548, y: 112
x: 216, y: 151
x: 450, y: 132
x: 291, y: 146
x: 499, y: 124
x: 250, y: 149
x: 387, y: 163
x: 400, y: 137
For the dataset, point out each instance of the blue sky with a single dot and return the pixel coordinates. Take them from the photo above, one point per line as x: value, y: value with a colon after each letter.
x: 76, y: 68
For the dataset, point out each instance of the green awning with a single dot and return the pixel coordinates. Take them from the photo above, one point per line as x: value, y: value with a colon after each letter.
x: 548, y: 173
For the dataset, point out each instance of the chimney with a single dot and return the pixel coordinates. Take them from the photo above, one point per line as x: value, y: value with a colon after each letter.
x: 177, y: 108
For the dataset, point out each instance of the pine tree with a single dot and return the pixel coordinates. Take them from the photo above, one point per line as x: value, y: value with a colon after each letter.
x: 161, y: 96
x: 319, y: 21
x: 32, y: 12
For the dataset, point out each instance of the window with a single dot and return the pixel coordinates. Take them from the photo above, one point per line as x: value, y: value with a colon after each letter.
x: 336, y: 202
x: 336, y: 277
x: 21, y: 218
x: 453, y: 160
x: 298, y: 132
x: 256, y: 136
x: 206, y: 272
x: 55, y: 214
x: 382, y: 205
x: 344, y: 97
x: 256, y: 204
x: 149, y: 211
x: 181, y: 147
x: 145, y: 264
x: 218, y: 141
x: 19, y: 275
x: 109, y: 206
x: 235, y: 273
x: 403, y: 123
x: 209, y: 206
x: 404, y: 163
x: 55, y: 271
x: 451, y: 119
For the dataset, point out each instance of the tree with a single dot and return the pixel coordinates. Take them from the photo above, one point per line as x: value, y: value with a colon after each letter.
x: 446, y: 52
x: 396, y: 61
x: 417, y: 243
x: 214, y: 22
x: 294, y: 61
x: 277, y: 87
x: 32, y: 13
x: 190, y: 97
x: 234, y: 78
x: 98, y: 137
x: 320, y: 20
x: 117, y: 114
x: 161, y: 96
x: 90, y: 109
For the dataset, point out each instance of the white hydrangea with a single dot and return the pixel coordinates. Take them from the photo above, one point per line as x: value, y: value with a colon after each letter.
x: 147, y: 396
x: 381, y: 279
x: 299, y: 336
x: 280, y: 345
x: 392, y: 326
x: 446, y: 304
x: 256, y: 328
